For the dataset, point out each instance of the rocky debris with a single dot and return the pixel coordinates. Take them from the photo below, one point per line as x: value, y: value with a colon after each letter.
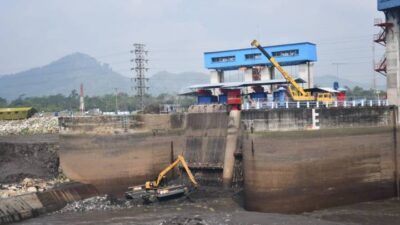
x: 35, y: 125
x: 181, y: 220
x: 99, y: 203
x: 29, y: 185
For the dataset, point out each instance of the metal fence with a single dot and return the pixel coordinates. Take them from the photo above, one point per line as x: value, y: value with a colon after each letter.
x: 264, y: 104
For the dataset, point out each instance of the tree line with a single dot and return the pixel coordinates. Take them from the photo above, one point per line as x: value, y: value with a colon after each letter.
x: 125, y: 102
x: 106, y: 103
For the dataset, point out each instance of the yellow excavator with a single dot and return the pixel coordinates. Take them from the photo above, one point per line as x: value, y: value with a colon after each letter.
x: 297, y: 93
x: 153, y: 190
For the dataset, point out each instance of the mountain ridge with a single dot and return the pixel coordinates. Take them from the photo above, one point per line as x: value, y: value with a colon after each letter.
x: 65, y: 74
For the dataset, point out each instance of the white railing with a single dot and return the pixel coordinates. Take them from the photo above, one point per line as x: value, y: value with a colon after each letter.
x: 263, y: 104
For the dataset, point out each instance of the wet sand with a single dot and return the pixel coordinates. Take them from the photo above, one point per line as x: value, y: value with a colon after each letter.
x: 216, y: 207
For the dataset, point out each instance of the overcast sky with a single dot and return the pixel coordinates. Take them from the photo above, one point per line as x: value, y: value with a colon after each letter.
x: 177, y: 32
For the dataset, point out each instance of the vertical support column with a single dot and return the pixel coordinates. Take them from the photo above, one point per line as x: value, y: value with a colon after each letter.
x: 230, y: 148
x: 306, y: 72
x: 216, y: 76
x: 393, y: 58
x: 248, y: 76
x: 268, y: 73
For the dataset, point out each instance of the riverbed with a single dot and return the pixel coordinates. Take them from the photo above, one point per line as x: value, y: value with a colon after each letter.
x: 213, y: 207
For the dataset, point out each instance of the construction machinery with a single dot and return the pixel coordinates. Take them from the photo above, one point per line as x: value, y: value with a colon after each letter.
x: 297, y: 93
x: 158, y: 189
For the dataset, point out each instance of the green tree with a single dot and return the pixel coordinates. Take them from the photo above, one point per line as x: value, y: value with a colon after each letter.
x: 3, y: 102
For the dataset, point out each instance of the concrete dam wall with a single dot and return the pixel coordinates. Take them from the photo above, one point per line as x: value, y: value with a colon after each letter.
x: 291, y: 160
x: 118, y: 152
x: 205, y: 136
x: 289, y: 168
x: 113, y: 153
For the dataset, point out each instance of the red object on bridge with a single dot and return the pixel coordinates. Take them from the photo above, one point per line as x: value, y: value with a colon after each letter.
x: 234, y: 99
x: 341, y: 96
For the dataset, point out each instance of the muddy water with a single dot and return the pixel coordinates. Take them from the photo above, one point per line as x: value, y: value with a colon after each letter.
x: 215, y: 207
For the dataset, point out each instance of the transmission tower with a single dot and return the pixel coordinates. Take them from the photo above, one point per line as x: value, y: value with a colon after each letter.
x: 140, y: 62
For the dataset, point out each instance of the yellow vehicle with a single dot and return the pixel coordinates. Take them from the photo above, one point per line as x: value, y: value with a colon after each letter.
x: 16, y: 113
x: 153, y: 190
x: 297, y: 93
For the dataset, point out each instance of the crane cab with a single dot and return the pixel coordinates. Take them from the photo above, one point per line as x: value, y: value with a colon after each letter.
x: 324, y: 97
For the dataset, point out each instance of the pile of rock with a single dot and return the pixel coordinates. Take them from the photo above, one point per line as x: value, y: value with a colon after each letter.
x: 99, y: 203
x: 29, y: 185
x: 184, y: 220
x: 35, y: 125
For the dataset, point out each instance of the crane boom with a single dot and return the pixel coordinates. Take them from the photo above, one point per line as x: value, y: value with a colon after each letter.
x: 279, y: 68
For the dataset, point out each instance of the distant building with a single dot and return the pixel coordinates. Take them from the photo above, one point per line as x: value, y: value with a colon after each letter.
x: 257, y: 67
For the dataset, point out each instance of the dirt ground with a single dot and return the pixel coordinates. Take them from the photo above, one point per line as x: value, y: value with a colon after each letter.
x: 209, y: 207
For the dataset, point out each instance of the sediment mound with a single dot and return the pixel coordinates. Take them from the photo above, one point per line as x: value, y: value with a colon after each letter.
x: 35, y: 125
x: 105, y: 202
x: 181, y: 220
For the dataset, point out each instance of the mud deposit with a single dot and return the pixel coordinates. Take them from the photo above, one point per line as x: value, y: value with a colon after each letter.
x: 33, y: 156
x: 209, y: 207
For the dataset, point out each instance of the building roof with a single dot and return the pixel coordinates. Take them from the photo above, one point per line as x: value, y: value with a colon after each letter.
x: 242, y: 84
x: 324, y: 89
x: 19, y: 109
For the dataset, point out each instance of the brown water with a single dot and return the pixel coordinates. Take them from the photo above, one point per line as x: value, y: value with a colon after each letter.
x: 222, y: 208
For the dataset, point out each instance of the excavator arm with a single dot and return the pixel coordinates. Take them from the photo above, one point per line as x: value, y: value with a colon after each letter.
x: 160, y: 177
x: 186, y: 167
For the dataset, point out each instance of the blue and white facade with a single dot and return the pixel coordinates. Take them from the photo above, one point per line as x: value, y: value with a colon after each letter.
x: 302, y: 55
x: 286, y: 55
x: 388, y: 4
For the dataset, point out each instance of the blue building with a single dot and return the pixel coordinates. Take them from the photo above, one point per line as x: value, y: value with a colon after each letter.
x: 257, y: 67
x: 388, y: 4
x: 286, y: 55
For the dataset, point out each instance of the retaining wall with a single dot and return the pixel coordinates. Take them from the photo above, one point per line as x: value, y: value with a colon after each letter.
x: 351, y: 158
x: 118, y: 152
x: 26, y: 206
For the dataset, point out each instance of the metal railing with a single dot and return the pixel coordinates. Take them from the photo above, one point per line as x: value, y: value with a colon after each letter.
x: 264, y: 104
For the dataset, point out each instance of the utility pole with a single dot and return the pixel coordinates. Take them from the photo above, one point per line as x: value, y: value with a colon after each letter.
x: 374, y: 72
x: 140, y: 60
x: 116, y: 101
x: 337, y: 69
x: 81, y: 100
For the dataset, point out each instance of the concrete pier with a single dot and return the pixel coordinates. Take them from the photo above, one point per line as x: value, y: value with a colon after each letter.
x: 231, y: 146
x: 306, y: 72
x: 393, y: 57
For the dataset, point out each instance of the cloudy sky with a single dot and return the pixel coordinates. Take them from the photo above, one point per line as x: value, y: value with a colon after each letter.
x: 177, y: 32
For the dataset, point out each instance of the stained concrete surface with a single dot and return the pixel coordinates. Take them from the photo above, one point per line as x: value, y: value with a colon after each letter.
x: 33, y: 156
x: 212, y: 206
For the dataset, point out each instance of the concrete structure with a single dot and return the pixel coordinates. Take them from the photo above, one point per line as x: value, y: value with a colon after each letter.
x: 289, y: 168
x: 257, y: 67
x: 287, y: 164
x: 81, y: 100
x: 18, y: 208
x: 391, y: 8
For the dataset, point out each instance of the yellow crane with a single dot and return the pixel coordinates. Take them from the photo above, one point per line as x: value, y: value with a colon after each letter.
x: 153, y: 190
x: 297, y: 93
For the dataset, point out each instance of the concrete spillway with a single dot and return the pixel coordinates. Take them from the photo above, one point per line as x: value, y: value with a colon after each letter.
x: 287, y: 166
x: 350, y: 159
